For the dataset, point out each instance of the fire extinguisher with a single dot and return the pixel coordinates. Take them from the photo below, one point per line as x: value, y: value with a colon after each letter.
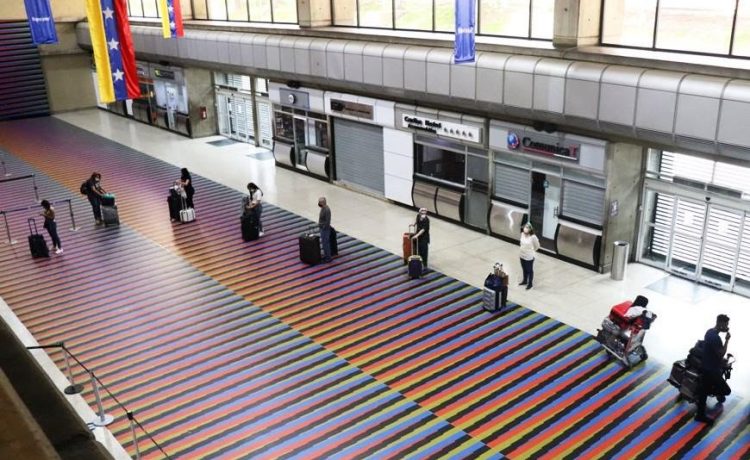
x: 203, y: 113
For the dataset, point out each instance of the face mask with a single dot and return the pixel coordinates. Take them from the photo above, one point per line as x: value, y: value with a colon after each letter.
x: 97, y: 180
x: 422, y: 216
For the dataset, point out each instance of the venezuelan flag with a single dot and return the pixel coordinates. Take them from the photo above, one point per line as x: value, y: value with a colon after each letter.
x: 113, y: 50
x: 171, y: 18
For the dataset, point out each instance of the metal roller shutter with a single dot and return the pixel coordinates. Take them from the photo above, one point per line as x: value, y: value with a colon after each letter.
x: 359, y: 154
x: 23, y: 92
x: 583, y: 202
x: 512, y: 183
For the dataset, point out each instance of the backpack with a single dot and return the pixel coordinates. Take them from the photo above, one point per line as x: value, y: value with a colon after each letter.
x: 85, y: 189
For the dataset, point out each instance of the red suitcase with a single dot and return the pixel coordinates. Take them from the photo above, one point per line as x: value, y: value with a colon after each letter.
x: 406, y: 243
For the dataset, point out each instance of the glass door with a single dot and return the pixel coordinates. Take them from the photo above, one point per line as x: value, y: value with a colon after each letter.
x: 223, y: 104
x: 545, y: 206
x: 720, y: 246
x: 687, y: 237
x: 300, y: 141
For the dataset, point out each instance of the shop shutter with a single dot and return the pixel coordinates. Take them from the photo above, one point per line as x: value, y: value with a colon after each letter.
x: 22, y: 89
x: 359, y: 154
x: 513, y: 184
x: 583, y: 202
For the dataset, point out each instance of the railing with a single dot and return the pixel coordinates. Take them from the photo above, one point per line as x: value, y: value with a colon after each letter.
x: 102, y: 419
x: 7, y: 227
x: 27, y: 176
x: 5, y: 167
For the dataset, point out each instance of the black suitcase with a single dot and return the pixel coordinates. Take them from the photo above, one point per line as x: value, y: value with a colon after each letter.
x: 334, y: 243
x: 309, y: 248
x: 37, y: 245
x: 249, y: 225
x: 175, y: 206
x: 415, y: 265
x: 110, y: 215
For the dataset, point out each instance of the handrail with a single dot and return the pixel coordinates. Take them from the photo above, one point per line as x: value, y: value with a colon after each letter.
x: 33, y: 181
x: 102, y: 418
x: 4, y: 213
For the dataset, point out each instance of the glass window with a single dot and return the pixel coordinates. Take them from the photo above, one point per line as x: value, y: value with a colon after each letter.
x: 376, y: 13
x: 695, y: 25
x: 413, y: 14
x: 283, y: 125
x: 149, y: 9
x: 441, y: 164
x: 629, y: 23
x: 445, y: 17
x: 317, y: 133
x: 237, y: 10
x: 135, y: 9
x: 504, y: 17
x: 261, y: 86
x: 345, y: 12
x: 542, y: 18
x: 285, y: 11
x: 260, y: 10
x: 217, y: 10
x: 742, y: 30
x: 199, y: 9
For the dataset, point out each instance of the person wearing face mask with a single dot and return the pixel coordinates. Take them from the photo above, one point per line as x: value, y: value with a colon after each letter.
x: 95, y: 194
x: 324, y: 224
x: 529, y: 245
x: 422, y: 236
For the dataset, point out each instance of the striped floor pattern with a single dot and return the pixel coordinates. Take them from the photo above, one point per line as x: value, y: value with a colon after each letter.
x: 225, y: 349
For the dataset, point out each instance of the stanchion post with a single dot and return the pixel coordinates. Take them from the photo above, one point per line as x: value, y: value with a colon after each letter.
x: 5, y: 168
x: 72, y: 216
x: 36, y: 190
x: 7, y: 227
x: 135, y: 438
x: 73, y: 388
x: 102, y: 419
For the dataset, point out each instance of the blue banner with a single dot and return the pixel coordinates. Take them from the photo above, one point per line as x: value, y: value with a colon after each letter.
x: 41, y: 22
x: 465, y: 13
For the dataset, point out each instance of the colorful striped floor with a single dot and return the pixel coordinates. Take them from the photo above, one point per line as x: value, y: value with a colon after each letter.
x: 225, y: 349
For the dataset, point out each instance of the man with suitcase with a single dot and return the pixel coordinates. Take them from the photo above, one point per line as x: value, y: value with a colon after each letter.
x: 324, y: 224
x: 422, y: 236
x: 712, y: 364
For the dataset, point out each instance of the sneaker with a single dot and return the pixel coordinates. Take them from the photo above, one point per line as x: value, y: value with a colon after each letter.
x: 261, y: 233
x: 99, y: 222
x: 703, y: 419
x: 58, y: 251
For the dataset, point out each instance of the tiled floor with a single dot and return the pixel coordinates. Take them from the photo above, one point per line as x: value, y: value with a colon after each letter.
x: 571, y: 294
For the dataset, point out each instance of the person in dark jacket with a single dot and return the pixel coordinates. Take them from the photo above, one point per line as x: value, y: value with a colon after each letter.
x: 712, y: 363
x: 324, y: 224
x: 95, y: 192
x: 422, y: 236
x: 51, y: 225
x: 186, y: 180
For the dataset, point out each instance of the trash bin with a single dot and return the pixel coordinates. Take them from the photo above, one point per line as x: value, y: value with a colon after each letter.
x: 620, y: 259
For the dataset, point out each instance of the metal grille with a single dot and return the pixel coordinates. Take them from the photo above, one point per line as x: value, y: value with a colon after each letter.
x: 512, y: 183
x: 359, y: 154
x: 722, y: 234
x: 583, y: 202
x: 23, y: 92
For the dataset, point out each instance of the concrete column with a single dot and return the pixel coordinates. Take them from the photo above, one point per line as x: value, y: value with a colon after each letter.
x: 576, y: 23
x: 624, y: 184
x: 314, y: 13
x: 200, y: 90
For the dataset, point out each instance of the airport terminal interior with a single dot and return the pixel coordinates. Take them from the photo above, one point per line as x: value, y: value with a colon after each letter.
x: 616, y: 128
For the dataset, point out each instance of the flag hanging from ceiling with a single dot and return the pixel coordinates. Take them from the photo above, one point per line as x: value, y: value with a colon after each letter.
x: 464, y: 48
x: 41, y: 22
x: 171, y: 18
x: 113, y: 50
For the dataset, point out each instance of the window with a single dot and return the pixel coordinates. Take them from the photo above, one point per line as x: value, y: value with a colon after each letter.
x: 441, y: 164
x: 719, y: 27
x: 413, y: 14
x: 281, y: 11
x: 284, y: 125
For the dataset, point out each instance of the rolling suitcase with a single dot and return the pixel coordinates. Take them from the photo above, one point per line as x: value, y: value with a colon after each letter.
x: 110, y: 215
x: 415, y: 265
x: 108, y: 199
x: 249, y: 226
x: 186, y: 214
x: 494, y: 293
x: 175, y: 205
x: 334, y: 243
x: 37, y: 245
x: 309, y: 247
x: 406, y: 243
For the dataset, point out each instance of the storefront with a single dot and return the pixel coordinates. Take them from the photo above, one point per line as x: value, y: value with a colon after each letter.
x: 300, y: 130
x: 556, y: 181
x: 243, y: 108
x: 451, y: 164
x: 359, y: 126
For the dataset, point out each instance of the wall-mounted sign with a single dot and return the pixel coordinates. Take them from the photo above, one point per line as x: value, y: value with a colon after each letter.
x: 165, y: 74
x: 353, y: 109
x: 545, y: 145
x: 442, y: 128
x: 298, y: 99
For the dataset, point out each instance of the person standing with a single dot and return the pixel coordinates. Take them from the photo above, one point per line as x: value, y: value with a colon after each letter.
x: 95, y: 192
x: 254, y: 205
x: 422, y: 236
x: 186, y: 180
x: 51, y: 225
x: 324, y: 224
x: 529, y: 246
x: 712, y: 364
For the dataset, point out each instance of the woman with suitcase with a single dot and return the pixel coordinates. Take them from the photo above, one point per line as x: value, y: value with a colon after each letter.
x: 51, y: 225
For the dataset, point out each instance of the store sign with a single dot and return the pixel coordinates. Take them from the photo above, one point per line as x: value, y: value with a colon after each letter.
x: 442, y: 128
x: 546, y: 145
x: 352, y: 109
x: 291, y: 98
x: 165, y: 74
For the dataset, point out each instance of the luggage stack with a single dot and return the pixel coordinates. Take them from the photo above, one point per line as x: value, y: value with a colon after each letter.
x: 309, y: 247
x: 110, y: 215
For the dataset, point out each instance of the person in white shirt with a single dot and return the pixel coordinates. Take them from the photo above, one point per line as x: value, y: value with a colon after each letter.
x: 254, y: 204
x: 529, y: 245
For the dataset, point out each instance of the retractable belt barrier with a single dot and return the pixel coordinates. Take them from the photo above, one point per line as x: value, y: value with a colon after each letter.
x: 5, y: 213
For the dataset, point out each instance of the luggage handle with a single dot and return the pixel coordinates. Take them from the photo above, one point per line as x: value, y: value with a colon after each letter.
x: 36, y: 230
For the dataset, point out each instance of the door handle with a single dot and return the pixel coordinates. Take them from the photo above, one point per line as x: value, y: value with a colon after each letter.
x: 557, y: 211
